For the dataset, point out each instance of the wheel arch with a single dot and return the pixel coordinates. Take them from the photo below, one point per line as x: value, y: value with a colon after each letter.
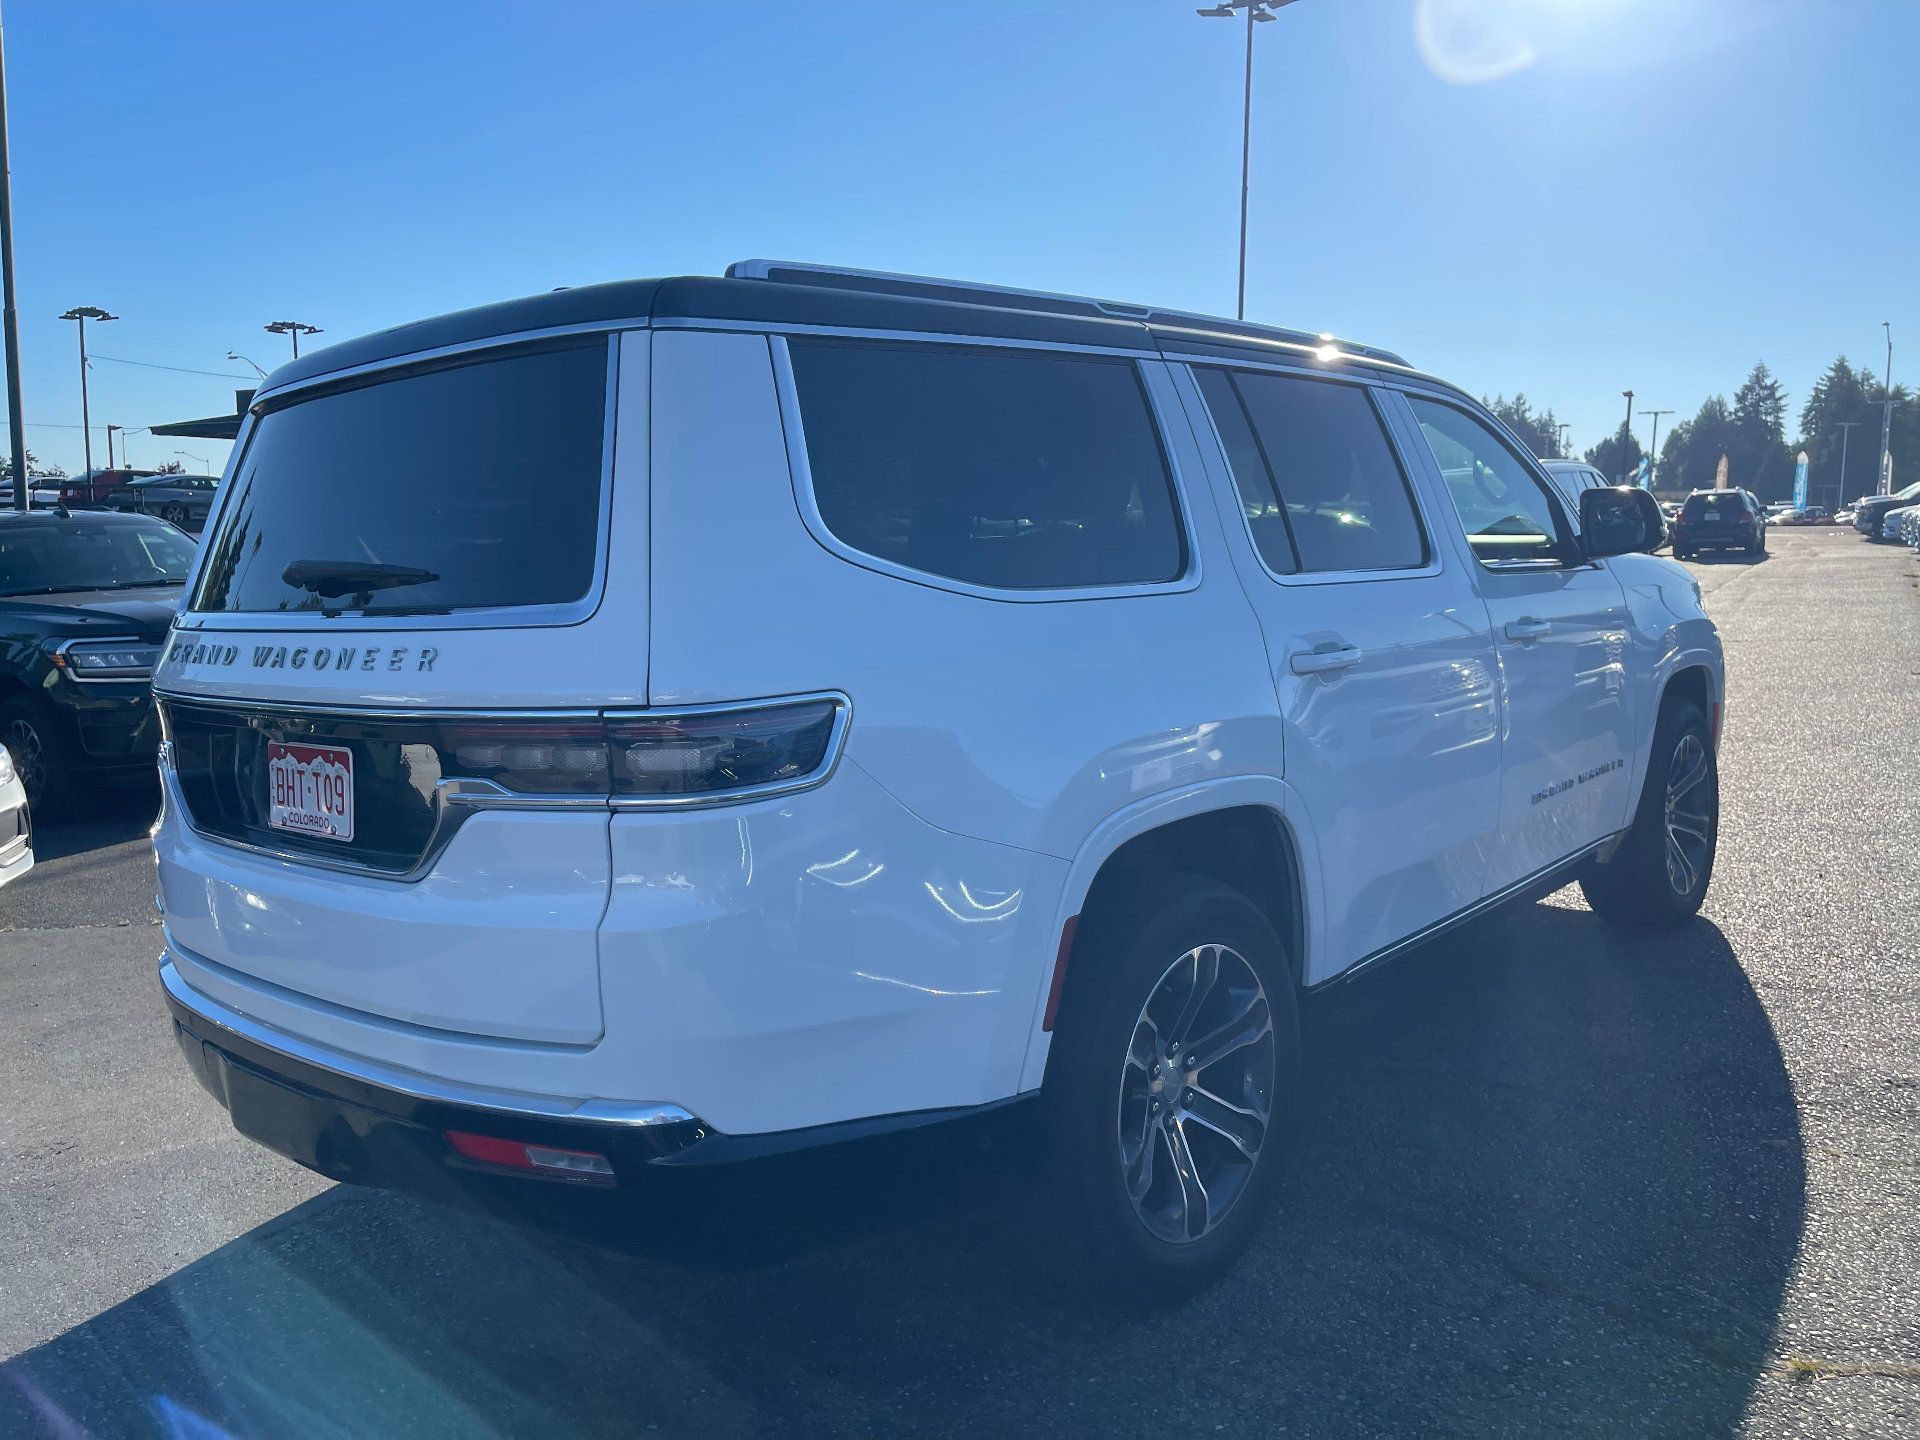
x: 1244, y: 833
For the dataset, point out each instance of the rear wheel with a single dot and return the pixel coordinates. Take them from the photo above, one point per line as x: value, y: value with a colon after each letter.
x: 1659, y: 875
x: 1173, y: 1069
x: 175, y: 515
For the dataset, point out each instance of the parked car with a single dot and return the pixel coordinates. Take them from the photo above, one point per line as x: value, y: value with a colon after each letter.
x: 1573, y: 476
x: 1718, y: 520
x: 93, y: 489
x: 85, y: 599
x: 1812, y: 515
x: 43, y: 492
x: 16, y: 822
x: 884, y: 730
x: 1872, y: 509
x: 183, y: 500
x: 1903, y: 525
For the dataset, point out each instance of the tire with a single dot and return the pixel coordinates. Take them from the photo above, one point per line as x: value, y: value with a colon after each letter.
x: 175, y: 515
x: 1112, y: 1137
x: 1647, y: 885
x: 41, y: 751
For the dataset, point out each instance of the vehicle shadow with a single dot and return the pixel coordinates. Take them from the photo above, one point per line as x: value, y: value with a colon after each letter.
x: 1727, y: 557
x: 1548, y: 1180
x: 95, y: 819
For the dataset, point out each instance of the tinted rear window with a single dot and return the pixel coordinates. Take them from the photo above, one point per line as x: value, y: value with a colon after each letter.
x: 43, y: 556
x: 472, y: 486
x: 1002, y: 468
x: 1727, y: 505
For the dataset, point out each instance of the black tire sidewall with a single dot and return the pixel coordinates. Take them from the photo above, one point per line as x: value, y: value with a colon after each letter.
x: 1633, y: 889
x: 1114, y: 967
x: 56, y: 780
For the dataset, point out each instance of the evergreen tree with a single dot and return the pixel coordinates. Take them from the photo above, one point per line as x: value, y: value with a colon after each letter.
x: 1538, y: 429
x: 1758, y: 455
x: 1691, y: 457
x: 1617, y: 456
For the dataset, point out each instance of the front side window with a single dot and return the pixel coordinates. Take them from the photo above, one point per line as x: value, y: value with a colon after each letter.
x: 1317, y: 478
x: 1012, y: 469
x: 472, y: 486
x: 1507, y: 513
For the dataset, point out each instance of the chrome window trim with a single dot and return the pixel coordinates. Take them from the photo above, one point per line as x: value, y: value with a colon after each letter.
x: 631, y: 1113
x: 455, y: 798
x: 1194, y: 397
x: 800, y: 472
x: 117, y: 677
x: 499, y: 617
x: 773, y: 329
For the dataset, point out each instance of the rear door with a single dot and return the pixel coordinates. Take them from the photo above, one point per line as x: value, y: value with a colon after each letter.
x: 1561, y: 633
x: 1379, y: 648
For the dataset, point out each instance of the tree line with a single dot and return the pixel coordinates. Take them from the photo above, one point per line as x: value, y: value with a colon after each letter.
x: 1752, y: 434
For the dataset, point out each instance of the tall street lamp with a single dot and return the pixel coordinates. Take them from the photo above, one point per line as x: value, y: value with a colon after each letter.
x: 1626, y: 436
x: 16, y: 422
x: 293, y: 328
x: 1653, y: 448
x: 123, y: 444
x: 1846, y: 429
x: 1884, y: 485
x: 201, y: 458
x: 233, y: 355
x: 84, y: 313
x: 1256, y: 10
x: 1560, y: 436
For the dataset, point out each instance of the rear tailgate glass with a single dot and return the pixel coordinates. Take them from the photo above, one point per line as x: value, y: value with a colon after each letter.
x: 473, y: 485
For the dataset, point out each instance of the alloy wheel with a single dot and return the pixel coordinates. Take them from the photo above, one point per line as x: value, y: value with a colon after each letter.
x: 1689, y: 815
x: 29, y: 754
x: 1196, y: 1092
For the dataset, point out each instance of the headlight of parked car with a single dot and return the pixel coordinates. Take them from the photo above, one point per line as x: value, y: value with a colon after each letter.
x: 6, y: 765
x: 108, y: 659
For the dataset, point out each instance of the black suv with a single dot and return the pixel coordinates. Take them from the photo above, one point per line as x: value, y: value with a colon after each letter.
x: 1718, y: 520
x: 85, y: 601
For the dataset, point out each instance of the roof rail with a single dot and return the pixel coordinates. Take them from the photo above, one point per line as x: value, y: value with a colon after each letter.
x: 1007, y: 297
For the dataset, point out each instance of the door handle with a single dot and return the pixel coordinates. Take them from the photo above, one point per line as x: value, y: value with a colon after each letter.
x: 1527, y: 628
x: 1322, y: 662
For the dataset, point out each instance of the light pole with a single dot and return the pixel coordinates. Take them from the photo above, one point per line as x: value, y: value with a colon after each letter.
x: 1653, y: 448
x: 1884, y: 485
x: 231, y: 355
x: 84, y: 313
x: 1846, y: 428
x: 1560, y: 436
x: 290, y: 327
x: 1257, y: 10
x: 123, y: 444
x: 16, y: 422
x: 201, y: 458
x: 1626, y: 435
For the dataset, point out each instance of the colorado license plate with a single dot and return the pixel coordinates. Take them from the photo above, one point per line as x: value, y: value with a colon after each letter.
x: 311, y: 790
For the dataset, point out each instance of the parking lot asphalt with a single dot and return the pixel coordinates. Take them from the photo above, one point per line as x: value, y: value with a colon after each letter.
x: 1550, y: 1180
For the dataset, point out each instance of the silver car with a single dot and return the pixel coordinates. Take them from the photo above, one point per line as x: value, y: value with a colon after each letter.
x: 16, y: 823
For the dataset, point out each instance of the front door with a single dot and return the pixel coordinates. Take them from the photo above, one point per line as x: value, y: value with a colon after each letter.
x: 1382, y: 658
x: 1561, y: 632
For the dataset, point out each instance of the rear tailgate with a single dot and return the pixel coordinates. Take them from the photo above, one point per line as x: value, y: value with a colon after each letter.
x: 404, y: 612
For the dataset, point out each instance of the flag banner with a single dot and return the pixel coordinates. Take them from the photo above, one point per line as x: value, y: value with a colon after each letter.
x: 1800, y: 483
x: 1720, y: 478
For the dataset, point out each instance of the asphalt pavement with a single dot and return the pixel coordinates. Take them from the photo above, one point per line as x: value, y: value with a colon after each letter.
x: 1550, y: 1180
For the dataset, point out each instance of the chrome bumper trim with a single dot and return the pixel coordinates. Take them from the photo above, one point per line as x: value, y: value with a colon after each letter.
x: 626, y: 1113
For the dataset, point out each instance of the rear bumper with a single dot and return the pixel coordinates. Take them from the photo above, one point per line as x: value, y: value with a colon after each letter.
x: 358, y: 1122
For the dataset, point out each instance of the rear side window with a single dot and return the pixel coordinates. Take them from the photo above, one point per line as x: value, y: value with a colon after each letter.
x: 1003, y: 468
x: 472, y: 486
x: 1720, y: 505
x: 1316, y: 475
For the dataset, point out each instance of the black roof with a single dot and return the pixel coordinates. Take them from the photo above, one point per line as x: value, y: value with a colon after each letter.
x: 9, y: 515
x: 779, y: 293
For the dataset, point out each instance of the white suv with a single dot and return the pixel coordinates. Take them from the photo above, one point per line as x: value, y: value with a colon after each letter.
x: 669, y: 721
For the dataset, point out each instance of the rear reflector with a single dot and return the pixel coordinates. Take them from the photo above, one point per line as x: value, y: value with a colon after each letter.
x: 535, y: 1159
x: 1059, y: 973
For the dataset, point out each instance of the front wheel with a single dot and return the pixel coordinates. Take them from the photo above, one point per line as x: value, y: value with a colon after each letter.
x: 33, y: 738
x: 1658, y: 877
x: 1173, y: 1070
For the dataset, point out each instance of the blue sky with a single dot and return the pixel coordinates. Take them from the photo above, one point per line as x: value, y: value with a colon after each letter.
x: 1563, y: 197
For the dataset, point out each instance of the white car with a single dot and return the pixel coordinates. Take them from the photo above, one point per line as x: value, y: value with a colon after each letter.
x: 1574, y: 476
x: 896, y: 699
x: 16, y: 823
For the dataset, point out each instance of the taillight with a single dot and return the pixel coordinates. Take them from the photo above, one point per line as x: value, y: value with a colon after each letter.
x: 671, y: 757
x: 547, y: 1160
x: 718, y: 752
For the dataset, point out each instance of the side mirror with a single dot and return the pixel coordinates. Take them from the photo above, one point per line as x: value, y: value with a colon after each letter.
x: 1620, y: 521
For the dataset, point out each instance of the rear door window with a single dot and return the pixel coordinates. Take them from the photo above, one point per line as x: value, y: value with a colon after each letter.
x: 476, y: 485
x: 1316, y: 475
x: 1013, y: 469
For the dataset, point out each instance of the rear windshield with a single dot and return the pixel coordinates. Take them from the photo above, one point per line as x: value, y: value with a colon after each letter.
x: 49, y: 556
x: 1724, y: 506
x: 468, y: 487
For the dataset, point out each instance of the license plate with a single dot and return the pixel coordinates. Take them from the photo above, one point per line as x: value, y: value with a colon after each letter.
x: 310, y: 790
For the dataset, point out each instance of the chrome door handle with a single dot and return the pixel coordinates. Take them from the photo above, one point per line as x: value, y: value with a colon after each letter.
x: 1320, y: 662
x: 1527, y: 628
